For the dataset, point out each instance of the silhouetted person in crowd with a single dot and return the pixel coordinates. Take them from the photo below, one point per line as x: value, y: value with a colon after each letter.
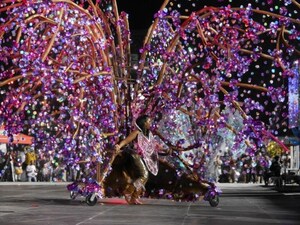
x: 274, y: 170
x: 275, y: 167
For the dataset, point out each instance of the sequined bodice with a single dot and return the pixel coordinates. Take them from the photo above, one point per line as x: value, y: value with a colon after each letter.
x: 147, y: 148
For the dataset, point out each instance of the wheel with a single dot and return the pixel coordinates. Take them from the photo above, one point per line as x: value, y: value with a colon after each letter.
x: 91, y: 199
x: 214, y: 201
x: 73, y: 194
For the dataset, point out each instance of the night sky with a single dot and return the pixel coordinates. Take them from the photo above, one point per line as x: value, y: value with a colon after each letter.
x: 140, y: 14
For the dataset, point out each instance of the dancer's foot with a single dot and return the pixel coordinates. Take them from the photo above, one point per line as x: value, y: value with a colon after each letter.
x: 132, y: 201
x: 135, y: 202
x: 128, y: 198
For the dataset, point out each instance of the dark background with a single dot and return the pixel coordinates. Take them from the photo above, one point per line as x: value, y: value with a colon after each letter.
x: 140, y: 13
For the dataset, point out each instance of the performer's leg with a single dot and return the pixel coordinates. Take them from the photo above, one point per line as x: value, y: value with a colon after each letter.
x: 129, y: 189
x: 138, y: 186
x: 142, y: 172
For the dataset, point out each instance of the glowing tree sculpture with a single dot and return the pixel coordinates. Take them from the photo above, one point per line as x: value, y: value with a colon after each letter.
x: 66, y: 74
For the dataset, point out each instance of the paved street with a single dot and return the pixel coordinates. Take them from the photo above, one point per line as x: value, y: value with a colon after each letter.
x: 240, y: 204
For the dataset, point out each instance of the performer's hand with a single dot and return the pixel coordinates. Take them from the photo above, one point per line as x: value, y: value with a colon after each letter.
x: 177, y: 148
x: 117, y: 148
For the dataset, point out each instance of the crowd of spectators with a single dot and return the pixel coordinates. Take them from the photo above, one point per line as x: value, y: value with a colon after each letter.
x: 26, y: 165
x: 250, y: 169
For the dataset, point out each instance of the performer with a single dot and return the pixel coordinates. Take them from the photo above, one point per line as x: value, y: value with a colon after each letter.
x: 144, y: 155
